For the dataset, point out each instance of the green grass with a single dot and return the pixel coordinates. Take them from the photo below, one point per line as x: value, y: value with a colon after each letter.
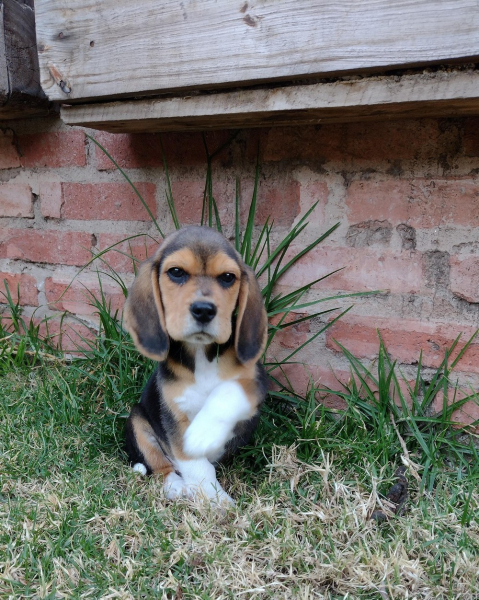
x: 77, y: 522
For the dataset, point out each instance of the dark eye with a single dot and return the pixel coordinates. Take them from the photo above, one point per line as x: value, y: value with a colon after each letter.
x: 177, y: 275
x: 227, y: 279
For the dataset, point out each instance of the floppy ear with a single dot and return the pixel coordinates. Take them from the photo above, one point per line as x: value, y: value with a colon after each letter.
x: 143, y: 313
x: 252, y: 322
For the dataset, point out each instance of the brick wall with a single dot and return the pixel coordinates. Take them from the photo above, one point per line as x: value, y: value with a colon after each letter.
x: 405, y: 192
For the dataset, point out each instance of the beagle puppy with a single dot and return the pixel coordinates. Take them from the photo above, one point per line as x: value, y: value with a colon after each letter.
x: 197, y: 309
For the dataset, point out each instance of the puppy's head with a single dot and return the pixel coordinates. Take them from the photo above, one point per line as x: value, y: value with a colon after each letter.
x: 189, y: 292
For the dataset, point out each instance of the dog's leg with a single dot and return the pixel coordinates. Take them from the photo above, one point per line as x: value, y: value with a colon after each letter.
x: 214, y: 424
x: 199, y: 476
x: 146, y: 455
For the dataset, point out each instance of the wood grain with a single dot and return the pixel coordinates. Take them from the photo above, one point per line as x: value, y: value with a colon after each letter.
x: 20, y: 91
x: 371, y: 98
x: 119, y: 48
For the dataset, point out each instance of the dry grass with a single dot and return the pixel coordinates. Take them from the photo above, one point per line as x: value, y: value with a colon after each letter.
x: 303, y: 531
x: 76, y: 522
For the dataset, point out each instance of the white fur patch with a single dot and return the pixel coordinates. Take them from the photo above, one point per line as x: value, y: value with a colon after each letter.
x: 174, y: 487
x: 206, y: 379
x: 199, y: 476
x: 213, y: 426
x: 140, y: 468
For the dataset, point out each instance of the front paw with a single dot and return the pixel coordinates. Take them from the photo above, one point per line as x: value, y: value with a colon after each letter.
x: 205, y: 439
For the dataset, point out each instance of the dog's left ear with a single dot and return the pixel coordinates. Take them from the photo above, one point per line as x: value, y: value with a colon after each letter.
x: 252, y: 321
x: 143, y: 313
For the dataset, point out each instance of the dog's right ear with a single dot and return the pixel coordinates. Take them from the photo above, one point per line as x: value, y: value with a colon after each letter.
x: 143, y: 314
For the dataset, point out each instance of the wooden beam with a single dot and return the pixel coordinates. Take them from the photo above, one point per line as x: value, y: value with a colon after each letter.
x: 20, y: 92
x: 104, y: 49
x: 372, y: 98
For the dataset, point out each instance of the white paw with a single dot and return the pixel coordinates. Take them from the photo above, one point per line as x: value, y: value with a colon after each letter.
x: 205, y: 438
x: 140, y: 468
x: 174, y: 487
x: 212, y: 493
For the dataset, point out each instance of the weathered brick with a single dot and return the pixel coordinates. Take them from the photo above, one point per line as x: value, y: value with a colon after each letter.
x: 9, y: 157
x: 294, y: 335
x: 77, y: 296
x: 45, y: 246
x: 464, y: 277
x: 423, y: 203
x: 311, y: 192
x: 404, y: 340
x: 16, y: 200
x: 140, y: 150
x: 188, y: 197
x: 467, y: 414
x: 278, y: 200
x: 129, y: 150
x: 51, y: 199
x: 369, y: 233
x: 471, y: 136
x: 22, y: 288
x: 120, y: 258
x: 188, y: 149
x: 363, y: 269
x: 66, y: 335
x: 53, y: 149
x: 69, y: 336
x: 299, y: 378
x: 383, y: 140
x: 111, y: 201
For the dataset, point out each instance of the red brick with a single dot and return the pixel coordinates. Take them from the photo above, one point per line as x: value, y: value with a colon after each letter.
x: 464, y: 277
x: 140, y: 150
x: 72, y: 337
x: 294, y: 335
x: 111, y: 201
x: 26, y: 283
x: 69, y: 336
x: 467, y: 414
x: 299, y: 377
x: 51, y: 199
x: 188, y: 198
x: 46, y: 246
x: 404, y: 339
x: 423, y: 203
x: 188, y: 149
x: 471, y: 136
x: 78, y: 299
x: 8, y: 153
x: 312, y: 192
x: 278, y: 199
x: 129, y: 150
x: 382, y: 140
x: 16, y: 200
x: 59, y: 149
x: 120, y: 258
x: 364, y: 269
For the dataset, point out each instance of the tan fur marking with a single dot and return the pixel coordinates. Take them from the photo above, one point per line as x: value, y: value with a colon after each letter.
x: 151, y: 451
x: 185, y: 259
x: 221, y: 263
x: 202, y: 284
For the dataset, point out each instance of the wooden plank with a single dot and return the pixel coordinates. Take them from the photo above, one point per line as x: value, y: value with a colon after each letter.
x: 94, y: 49
x: 424, y: 94
x: 20, y: 91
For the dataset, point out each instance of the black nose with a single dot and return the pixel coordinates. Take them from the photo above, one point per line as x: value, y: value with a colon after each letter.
x: 203, y: 312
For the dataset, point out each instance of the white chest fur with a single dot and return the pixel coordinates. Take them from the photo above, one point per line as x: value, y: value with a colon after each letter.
x: 206, y: 380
